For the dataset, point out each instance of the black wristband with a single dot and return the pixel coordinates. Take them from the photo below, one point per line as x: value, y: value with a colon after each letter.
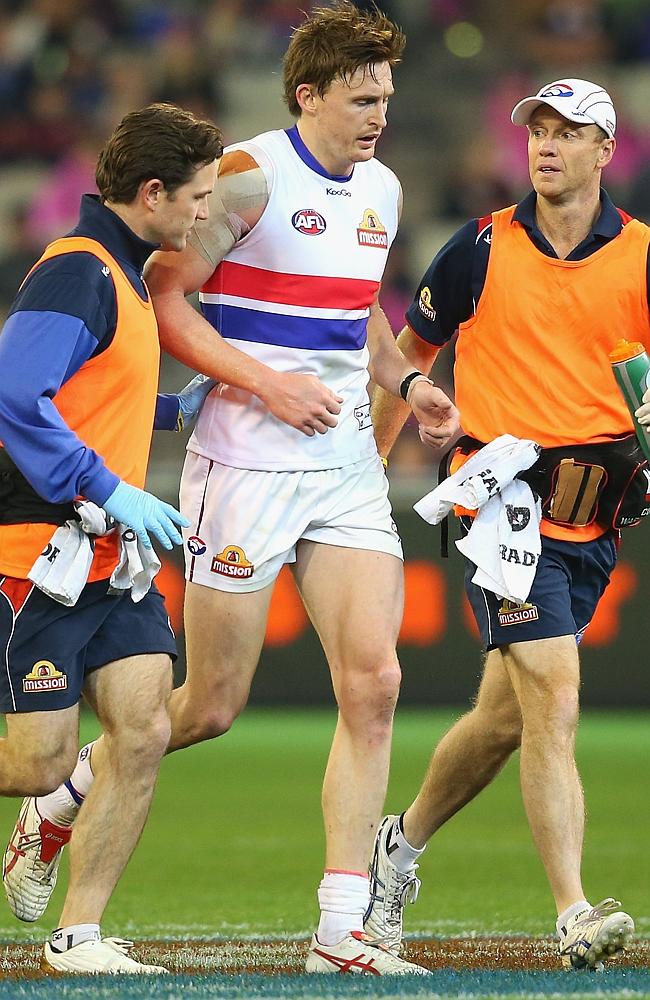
x: 405, y: 383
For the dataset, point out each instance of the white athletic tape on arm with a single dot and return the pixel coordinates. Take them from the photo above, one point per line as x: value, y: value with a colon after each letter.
x: 214, y: 237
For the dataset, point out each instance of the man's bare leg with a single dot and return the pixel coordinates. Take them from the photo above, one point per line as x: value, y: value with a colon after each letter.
x: 546, y: 676
x: 224, y: 634
x: 354, y: 598
x: 131, y: 699
x: 469, y: 755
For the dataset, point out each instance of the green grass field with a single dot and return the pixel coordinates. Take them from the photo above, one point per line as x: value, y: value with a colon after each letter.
x: 233, y: 849
x: 234, y: 843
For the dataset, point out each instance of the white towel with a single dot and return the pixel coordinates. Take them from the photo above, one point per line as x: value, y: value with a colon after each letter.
x: 504, y: 540
x: 137, y: 567
x: 61, y: 570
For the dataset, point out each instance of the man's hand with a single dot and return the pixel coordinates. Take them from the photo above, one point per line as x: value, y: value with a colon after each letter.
x: 437, y: 416
x: 192, y: 398
x: 643, y: 413
x: 302, y: 401
x: 145, y: 513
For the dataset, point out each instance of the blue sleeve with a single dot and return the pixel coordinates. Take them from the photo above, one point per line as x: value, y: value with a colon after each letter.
x: 43, y: 343
x: 166, y: 417
x: 445, y: 296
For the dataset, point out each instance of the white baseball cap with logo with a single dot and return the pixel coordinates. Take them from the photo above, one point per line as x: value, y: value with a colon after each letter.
x: 577, y: 100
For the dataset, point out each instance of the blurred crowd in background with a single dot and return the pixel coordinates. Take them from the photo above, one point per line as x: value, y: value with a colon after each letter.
x: 70, y: 69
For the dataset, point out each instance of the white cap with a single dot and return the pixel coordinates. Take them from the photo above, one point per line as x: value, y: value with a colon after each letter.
x: 578, y: 100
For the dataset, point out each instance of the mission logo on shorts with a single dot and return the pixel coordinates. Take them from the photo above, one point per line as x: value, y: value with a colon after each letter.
x: 232, y: 562
x: 44, y: 677
x: 511, y: 613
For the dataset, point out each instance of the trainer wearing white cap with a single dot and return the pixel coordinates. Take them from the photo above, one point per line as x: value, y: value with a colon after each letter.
x: 576, y: 100
x: 537, y: 293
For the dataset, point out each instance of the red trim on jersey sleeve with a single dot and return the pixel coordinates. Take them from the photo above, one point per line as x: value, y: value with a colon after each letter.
x: 625, y: 218
x: 307, y: 290
x: 435, y: 347
x: 483, y: 223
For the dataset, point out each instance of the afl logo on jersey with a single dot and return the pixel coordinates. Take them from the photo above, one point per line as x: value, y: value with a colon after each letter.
x: 196, y: 545
x: 309, y: 222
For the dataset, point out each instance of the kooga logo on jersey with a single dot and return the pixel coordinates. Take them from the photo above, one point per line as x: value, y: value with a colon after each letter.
x: 339, y: 191
x: 309, y: 222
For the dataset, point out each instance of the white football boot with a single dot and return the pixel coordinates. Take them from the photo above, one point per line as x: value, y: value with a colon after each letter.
x: 100, y: 956
x: 390, y: 891
x: 595, y: 935
x: 359, y: 953
x: 31, y: 861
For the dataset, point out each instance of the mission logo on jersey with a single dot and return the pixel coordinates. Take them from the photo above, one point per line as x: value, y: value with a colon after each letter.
x: 308, y: 221
x: 371, y: 232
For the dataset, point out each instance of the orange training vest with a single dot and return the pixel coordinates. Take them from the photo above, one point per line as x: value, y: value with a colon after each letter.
x: 109, y: 403
x: 534, y: 359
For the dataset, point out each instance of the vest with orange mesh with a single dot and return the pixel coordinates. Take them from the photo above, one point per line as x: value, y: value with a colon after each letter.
x: 534, y: 359
x: 109, y: 403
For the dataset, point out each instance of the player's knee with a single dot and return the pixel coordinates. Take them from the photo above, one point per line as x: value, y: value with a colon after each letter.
x: 500, y: 722
x: 555, y: 713
x: 507, y: 733
x: 41, y: 773
x: 371, y: 694
x: 145, y: 742
x: 215, y: 722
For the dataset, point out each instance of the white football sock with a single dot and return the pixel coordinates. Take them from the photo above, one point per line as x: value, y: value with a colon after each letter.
x: 567, y: 916
x: 62, y: 805
x: 400, y: 852
x: 343, y: 898
x: 64, y: 938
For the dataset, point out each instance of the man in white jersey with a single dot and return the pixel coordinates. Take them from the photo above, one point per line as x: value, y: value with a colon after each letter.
x: 283, y: 466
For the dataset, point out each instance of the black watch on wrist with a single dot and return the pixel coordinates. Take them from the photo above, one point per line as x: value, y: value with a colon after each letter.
x: 405, y: 383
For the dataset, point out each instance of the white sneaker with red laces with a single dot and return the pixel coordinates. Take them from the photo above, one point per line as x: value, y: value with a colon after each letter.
x: 31, y: 861
x: 359, y: 953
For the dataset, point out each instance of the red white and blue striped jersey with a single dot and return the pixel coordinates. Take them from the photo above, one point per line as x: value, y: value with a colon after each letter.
x: 295, y: 293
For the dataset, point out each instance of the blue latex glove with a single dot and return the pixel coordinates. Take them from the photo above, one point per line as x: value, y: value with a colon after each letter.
x: 192, y: 398
x: 144, y: 512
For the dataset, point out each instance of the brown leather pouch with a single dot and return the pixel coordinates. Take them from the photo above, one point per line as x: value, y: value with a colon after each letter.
x: 576, y: 491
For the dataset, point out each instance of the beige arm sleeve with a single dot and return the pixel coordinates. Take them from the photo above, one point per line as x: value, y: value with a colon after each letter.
x: 236, y: 205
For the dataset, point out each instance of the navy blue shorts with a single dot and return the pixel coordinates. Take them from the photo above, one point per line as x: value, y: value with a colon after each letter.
x: 47, y: 650
x: 571, y: 578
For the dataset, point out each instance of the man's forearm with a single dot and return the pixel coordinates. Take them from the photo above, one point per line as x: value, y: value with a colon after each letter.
x: 389, y: 412
x: 187, y: 336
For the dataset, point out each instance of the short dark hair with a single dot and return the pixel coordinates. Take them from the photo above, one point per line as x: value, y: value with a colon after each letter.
x: 336, y: 41
x: 162, y: 141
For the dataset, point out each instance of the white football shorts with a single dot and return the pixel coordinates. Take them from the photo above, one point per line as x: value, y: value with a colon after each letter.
x: 245, y: 525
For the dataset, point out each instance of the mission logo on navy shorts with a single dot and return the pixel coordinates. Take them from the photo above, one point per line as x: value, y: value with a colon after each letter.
x: 44, y: 677
x: 48, y: 649
x: 511, y: 613
x: 569, y: 581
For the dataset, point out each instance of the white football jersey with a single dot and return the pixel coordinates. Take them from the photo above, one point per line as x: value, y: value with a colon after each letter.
x: 295, y: 294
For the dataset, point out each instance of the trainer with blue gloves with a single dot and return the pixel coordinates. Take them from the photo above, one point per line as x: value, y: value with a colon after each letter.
x: 140, y: 510
x: 79, y: 362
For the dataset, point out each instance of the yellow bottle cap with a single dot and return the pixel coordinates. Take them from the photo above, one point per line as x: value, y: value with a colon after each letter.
x: 625, y: 350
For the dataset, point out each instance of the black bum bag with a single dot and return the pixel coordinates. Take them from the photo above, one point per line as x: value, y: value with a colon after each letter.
x: 579, y: 484
x: 21, y: 504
